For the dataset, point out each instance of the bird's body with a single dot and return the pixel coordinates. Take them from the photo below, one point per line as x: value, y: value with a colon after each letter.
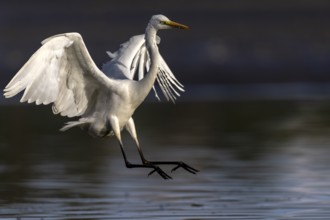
x: 63, y: 73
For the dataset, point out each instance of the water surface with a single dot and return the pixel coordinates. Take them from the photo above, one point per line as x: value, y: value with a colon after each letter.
x: 257, y: 160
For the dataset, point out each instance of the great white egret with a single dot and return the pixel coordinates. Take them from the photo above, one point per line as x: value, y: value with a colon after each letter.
x: 63, y: 73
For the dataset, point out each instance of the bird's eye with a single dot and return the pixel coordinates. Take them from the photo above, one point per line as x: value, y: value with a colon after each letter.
x: 162, y: 22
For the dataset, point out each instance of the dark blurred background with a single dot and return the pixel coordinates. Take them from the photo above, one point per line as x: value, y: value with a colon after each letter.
x: 262, y: 144
x: 230, y: 42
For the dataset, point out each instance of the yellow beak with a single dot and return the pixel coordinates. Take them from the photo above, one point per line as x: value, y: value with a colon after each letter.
x: 177, y: 25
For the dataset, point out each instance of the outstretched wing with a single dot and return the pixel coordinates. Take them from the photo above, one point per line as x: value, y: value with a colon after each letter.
x: 133, y: 60
x: 60, y: 72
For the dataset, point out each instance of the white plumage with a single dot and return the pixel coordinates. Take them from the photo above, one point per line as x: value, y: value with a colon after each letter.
x: 63, y: 73
x: 133, y: 60
x: 60, y: 72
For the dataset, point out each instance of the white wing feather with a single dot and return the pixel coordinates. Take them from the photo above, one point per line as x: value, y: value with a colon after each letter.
x: 133, y: 60
x: 60, y: 72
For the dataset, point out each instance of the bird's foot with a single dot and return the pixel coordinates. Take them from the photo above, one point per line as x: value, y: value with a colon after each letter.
x: 160, y: 172
x: 177, y: 163
x: 186, y: 167
x: 150, y: 165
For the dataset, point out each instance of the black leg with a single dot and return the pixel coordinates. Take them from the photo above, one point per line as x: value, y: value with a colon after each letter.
x: 145, y: 165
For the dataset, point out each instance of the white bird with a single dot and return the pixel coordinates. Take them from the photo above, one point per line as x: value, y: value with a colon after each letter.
x: 63, y: 73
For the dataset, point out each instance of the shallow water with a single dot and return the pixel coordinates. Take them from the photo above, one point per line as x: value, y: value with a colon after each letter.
x: 257, y: 160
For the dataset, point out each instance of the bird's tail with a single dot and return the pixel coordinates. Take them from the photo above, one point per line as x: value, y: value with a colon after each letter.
x: 72, y: 124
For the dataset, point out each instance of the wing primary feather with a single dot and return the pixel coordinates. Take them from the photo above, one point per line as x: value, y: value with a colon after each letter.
x: 167, y: 88
x: 22, y: 79
x: 168, y: 83
x: 61, y: 72
x: 31, y: 84
x: 156, y: 94
x: 172, y: 82
x: 171, y: 87
x: 164, y: 88
x: 171, y: 76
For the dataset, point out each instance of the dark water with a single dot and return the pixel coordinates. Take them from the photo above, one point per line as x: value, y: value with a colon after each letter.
x: 257, y: 160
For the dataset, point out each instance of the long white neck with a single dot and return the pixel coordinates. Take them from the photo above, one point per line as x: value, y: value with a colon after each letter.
x: 145, y: 85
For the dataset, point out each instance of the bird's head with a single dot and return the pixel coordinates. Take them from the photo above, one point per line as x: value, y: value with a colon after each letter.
x: 162, y: 22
